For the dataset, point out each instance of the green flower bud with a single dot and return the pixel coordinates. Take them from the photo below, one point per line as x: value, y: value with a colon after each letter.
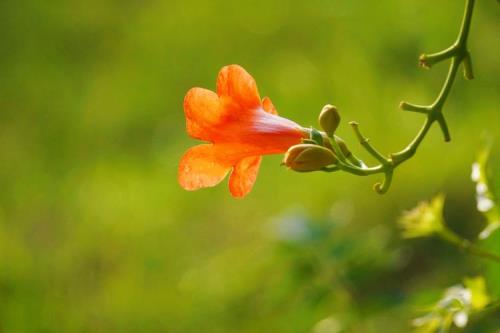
x: 343, y: 146
x: 308, y: 157
x: 329, y: 119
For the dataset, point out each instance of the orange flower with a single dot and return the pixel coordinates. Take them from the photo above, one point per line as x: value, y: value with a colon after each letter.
x: 240, y: 128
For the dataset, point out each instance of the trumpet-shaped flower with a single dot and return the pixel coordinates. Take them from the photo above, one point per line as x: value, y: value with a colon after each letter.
x: 240, y: 128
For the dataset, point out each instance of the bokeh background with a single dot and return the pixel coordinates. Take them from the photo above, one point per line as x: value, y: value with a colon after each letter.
x: 97, y: 236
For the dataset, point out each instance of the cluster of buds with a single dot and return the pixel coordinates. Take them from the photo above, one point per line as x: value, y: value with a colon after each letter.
x: 317, y: 153
x: 326, y: 151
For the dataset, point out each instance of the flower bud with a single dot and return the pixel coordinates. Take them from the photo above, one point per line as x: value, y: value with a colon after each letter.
x: 308, y: 157
x: 329, y: 119
x: 343, y: 146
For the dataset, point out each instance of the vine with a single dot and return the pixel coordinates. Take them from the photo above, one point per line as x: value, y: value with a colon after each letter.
x: 458, y: 54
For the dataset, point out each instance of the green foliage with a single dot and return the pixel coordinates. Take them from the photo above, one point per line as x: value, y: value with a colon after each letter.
x: 424, y: 220
x: 484, y: 195
x: 458, y: 302
x: 477, y: 288
x: 455, y: 307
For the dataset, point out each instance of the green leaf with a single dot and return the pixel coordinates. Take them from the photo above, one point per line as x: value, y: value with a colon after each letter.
x: 316, y: 136
x: 479, y: 296
x: 424, y: 220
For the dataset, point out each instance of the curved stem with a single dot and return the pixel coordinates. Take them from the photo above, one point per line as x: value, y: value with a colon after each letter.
x: 465, y: 28
x: 437, y: 106
x: 411, y: 149
x: 359, y: 171
x: 458, y: 53
x: 479, y: 252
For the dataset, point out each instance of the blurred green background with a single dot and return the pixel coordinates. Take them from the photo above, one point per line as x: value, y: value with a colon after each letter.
x: 97, y: 236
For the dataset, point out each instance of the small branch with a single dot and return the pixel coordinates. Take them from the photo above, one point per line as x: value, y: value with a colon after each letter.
x: 468, y: 70
x: 466, y: 246
x: 365, y: 142
x: 458, y: 54
x: 444, y: 127
x: 465, y: 28
x: 414, y: 108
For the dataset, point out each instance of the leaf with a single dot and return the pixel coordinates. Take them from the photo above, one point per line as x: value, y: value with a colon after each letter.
x: 480, y: 297
x: 424, y: 220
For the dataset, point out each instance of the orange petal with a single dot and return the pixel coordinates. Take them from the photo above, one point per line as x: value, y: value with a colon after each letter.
x: 202, y: 110
x: 201, y: 167
x: 234, y: 82
x: 268, y: 106
x: 243, y: 176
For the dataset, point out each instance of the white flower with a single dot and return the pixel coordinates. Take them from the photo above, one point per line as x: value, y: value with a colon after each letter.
x: 476, y: 172
x: 460, y: 319
x: 484, y: 204
x: 481, y: 188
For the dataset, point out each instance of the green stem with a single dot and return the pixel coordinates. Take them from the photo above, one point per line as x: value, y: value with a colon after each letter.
x: 411, y: 149
x: 466, y: 246
x: 365, y: 142
x: 437, y: 106
x: 359, y: 171
x: 458, y: 53
x: 465, y: 28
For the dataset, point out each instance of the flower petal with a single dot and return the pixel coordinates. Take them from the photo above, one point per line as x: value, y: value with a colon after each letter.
x: 268, y: 106
x: 243, y: 176
x: 202, y: 109
x: 201, y: 166
x: 235, y: 82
